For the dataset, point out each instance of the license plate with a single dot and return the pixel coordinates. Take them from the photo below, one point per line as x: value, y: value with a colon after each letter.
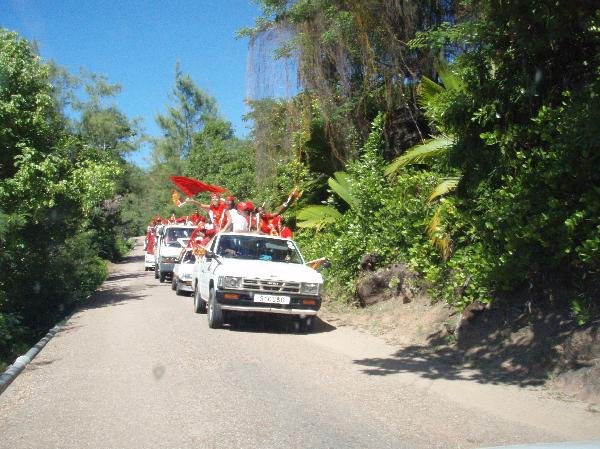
x: 272, y: 299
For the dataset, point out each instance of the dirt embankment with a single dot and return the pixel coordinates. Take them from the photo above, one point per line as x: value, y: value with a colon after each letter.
x: 517, y: 342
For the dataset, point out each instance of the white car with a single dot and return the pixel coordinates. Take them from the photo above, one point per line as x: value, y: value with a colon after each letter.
x: 253, y: 273
x: 183, y: 271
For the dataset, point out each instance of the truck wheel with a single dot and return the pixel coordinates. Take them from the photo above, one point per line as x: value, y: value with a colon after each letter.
x: 307, y: 324
x: 155, y: 271
x: 304, y: 324
x: 178, y: 291
x: 163, y: 277
x: 173, y: 283
x: 199, y: 304
x: 215, y: 314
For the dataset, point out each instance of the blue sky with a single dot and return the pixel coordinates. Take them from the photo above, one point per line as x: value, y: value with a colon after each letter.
x: 137, y: 44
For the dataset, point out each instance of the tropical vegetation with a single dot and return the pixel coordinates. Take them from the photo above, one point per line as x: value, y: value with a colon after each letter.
x: 460, y: 138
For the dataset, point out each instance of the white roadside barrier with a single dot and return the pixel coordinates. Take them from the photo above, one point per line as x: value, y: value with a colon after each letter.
x: 21, y: 362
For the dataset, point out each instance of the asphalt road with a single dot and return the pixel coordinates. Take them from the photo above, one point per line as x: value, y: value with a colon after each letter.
x: 137, y: 368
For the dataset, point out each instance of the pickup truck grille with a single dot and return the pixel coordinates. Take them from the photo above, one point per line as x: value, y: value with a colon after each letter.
x: 263, y: 285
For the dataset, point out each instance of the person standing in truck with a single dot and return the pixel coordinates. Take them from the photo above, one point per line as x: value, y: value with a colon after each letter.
x: 216, y: 209
x: 240, y: 218
x: 233, y: 220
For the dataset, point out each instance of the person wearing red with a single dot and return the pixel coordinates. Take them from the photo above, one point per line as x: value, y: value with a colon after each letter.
x: 275, y: 225
x: 251, y: 217
x: 264, y: 220
x: 226, y: 222
x: 196, y: 218
x: 197, y: 235
x: 286, y: 233
x: 215, y: 209
x: 271, y: 223
x: 149, y: 241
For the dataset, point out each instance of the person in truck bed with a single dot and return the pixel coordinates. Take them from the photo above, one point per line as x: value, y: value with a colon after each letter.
x: 216, y: 210
x: 235, y: 218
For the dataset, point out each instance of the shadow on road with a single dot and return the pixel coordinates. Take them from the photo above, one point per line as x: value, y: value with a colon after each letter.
x: 273, y: 324
x: 499, y: 346
x: 109, y: 295
x: 131, y: 259
x: 122, y: 276
x: 447, y: 363
x: 36, y: 364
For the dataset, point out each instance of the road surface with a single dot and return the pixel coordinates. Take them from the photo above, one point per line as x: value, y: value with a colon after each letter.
x: 137, y: 368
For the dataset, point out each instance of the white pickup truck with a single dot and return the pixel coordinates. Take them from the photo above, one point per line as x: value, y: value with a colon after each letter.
x: 252, y: 273
x: 167, y: 249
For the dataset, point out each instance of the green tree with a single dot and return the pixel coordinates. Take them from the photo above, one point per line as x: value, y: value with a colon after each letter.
x: 52, y: 185
x: 218, y: 157
x: 353, y: 58
x: 191, y: 109
x: 526, y: 143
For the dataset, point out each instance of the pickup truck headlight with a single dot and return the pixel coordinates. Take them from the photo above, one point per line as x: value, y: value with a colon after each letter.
x: 230, y: 282
x: 310, y: 288
x: 187, y: 276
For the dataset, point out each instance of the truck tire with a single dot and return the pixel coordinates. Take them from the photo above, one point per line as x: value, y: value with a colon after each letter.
x: 307, y: 323
x: 199, y: 304
x: 173, y: 283
x: 215, y: 313
x: 155, y: 271
x: 178, y: 291
x: 304, y: 324
x: 162, y: 277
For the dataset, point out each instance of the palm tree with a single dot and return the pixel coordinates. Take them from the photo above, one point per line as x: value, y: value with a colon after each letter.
x: 318, y: 216
x: 432, y: 149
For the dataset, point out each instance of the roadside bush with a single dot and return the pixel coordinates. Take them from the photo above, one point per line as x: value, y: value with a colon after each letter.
x: 53, y: 191
x: 11, y: 336
x: 386, y: 219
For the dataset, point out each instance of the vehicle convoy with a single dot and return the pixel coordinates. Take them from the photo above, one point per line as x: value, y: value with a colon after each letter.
x: 254, y: 273
x: 183, y: 271
x: 170, y: 240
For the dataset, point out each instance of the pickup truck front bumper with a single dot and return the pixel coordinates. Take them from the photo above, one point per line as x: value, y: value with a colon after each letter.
x: 186, y: 286
x: 305, y: 305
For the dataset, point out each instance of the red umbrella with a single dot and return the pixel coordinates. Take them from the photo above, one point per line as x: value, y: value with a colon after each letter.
x: 191, y: 186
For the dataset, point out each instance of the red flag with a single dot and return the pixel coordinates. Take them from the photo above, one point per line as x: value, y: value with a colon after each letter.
x: 191, y: 186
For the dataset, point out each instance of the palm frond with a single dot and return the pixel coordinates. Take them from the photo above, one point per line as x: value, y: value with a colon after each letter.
x: 450, y: 80
x: 340, y: 184
x: 427, y: 90
x: 439, y: 240
x: 419, y: 154
x: 447, y: 185
x: 317, y: 216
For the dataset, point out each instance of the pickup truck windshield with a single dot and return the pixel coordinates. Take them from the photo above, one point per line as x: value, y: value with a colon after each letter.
x: 173, y: 234
x: 252, y: 247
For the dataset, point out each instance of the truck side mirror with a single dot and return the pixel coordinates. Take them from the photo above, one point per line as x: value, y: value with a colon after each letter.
x: 209, y: 255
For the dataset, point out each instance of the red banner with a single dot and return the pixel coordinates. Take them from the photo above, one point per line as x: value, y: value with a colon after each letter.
x: 191, y: 186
